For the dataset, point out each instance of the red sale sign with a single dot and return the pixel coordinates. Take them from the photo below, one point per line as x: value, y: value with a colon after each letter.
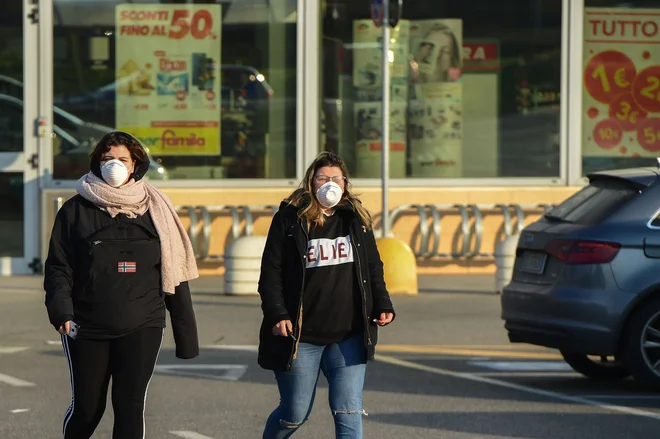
x: 621, y: 78
x: 168, y: 76
x: 175, y: 24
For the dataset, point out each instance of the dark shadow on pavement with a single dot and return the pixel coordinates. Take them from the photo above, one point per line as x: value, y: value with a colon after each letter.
x: 527, y: 425
x: 388, y: 378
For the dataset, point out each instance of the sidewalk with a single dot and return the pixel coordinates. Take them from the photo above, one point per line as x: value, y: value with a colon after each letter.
x: 428, y: 284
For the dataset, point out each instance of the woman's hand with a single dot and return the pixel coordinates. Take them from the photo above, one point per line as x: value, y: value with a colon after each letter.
x: 384, y: 318
x: 65, y: 328
x: 283, y: 328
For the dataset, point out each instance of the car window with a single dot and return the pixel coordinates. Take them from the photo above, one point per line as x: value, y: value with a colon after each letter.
x: 656, y: 221
x: 595, y: 202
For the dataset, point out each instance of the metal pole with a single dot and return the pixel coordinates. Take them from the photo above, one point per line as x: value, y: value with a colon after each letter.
x: 385, y: 149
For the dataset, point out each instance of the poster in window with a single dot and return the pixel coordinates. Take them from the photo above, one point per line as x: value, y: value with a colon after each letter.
x: 168, y: 76
x: 368, y: 50
x: 368, y: 128
x: 436, y: 103
x: 621, y: 77
x: 436, y: 131
x: 436, y: 47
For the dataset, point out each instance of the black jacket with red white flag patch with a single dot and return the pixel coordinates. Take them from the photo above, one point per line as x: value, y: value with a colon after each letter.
x: 103, y: 273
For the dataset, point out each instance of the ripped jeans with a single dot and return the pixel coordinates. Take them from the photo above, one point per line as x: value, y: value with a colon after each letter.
x: 344, y: 365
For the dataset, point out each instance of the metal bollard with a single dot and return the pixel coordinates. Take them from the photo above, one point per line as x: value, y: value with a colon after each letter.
x: 505, y: 258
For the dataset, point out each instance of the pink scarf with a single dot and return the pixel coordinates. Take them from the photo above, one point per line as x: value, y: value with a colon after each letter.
x: 178, y: 263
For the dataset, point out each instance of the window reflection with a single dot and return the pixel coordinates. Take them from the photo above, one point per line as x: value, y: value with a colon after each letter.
x: 474, y: 89
x: 211, y: 92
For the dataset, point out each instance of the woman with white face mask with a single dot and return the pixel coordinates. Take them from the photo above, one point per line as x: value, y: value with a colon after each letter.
x: 118, y: 258
x: 323, y: 297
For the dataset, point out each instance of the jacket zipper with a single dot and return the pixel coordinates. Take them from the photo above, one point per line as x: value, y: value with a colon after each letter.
x: 294, y: 354
x: 364, y: 293
x: 101, y: 241
x: 110, y: 241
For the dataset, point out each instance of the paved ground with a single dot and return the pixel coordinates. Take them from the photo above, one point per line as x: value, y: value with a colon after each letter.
x: 445, y: 370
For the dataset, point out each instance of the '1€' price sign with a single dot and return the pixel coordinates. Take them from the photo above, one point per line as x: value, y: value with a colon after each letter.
x: 608, y: 74
x: 175, y: 24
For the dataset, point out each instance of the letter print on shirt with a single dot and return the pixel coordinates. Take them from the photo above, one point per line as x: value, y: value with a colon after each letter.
x: 327, y: 252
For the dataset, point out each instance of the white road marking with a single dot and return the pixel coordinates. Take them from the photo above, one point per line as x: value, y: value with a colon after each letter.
x: 520, y: 388
x: 54, y: 342
x: 189, y: 435
x: 528, y: 374
x: 523, y: 366
x: 12, y: 381
x: 19, y: 410
x: 12, y: 349
x: 230, y: 372
x: 251, y: 348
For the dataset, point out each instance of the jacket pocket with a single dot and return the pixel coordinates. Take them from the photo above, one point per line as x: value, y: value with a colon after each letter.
x: 118, y: 268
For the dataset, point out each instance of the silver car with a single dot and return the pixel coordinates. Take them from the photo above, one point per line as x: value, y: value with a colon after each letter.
x: 586, y: 279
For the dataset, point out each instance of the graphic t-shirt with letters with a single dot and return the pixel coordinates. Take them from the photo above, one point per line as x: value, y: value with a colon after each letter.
x: 332, y: 301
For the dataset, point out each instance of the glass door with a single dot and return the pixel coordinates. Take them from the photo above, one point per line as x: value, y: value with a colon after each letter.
x: 19, y: 186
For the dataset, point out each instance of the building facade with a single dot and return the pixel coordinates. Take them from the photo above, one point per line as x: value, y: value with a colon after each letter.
x: 497, y: 109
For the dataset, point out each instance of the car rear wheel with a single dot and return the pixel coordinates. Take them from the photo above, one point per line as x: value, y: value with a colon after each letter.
x: 641, y: 344
x: 598, y: 368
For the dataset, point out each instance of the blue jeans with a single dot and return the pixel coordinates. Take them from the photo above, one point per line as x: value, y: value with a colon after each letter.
x: 344, y: 365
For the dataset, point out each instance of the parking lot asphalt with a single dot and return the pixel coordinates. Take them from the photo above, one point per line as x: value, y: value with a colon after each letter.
x: 444, y: 369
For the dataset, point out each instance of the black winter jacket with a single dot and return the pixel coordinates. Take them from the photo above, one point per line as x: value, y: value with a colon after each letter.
x: 283, y: 278
x: 104, y: 274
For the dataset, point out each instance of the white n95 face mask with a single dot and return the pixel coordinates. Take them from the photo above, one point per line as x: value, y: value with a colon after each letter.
x: 114, y: 172
x: 329, y: 194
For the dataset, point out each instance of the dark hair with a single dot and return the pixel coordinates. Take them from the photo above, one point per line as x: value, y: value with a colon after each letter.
x: 304, y: 198
x: 117, y: 138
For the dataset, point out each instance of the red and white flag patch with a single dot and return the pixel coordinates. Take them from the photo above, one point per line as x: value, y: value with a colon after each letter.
x: 126, y: 267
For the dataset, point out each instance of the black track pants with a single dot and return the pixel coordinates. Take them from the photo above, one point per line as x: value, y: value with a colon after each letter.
x: 130, y: 361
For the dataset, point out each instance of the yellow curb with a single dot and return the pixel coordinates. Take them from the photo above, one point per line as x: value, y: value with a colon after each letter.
x: 449, y: 350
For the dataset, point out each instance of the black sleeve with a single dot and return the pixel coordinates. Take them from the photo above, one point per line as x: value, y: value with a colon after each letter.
x: 270, y: 279
x: 184, y: 324
x: 381, y: 298
x: 58, y: 270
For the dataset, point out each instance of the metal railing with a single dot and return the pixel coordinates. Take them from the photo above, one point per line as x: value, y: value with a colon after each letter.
x: 427, y: 246
x: 195, y: 213
x: 471, y: 227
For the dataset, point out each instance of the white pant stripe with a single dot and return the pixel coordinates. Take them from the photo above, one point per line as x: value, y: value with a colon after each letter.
x: 69, y: 412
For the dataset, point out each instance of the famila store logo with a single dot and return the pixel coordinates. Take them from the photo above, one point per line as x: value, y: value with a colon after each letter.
x: 171, y: 140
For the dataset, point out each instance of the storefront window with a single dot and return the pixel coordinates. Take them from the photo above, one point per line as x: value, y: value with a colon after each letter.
x: 621, y: 74
x: 11, y: 76
x: 474, y: 88
x: 12, y: 216
x: 208, y: 86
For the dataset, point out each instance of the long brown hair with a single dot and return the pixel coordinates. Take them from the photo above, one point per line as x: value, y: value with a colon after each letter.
x: 310, y: 208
